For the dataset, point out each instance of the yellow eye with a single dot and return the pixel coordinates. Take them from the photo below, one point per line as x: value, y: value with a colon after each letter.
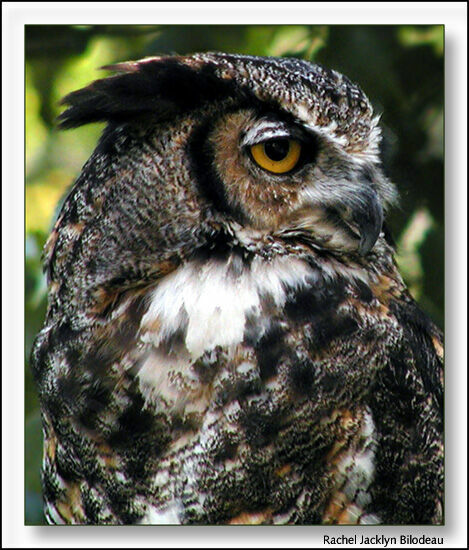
x: 277, y: 155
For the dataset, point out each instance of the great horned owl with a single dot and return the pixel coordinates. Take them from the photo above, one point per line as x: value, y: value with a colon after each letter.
x: 228, y: 340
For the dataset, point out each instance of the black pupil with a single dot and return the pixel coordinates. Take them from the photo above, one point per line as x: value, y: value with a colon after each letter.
x: 277, y: 149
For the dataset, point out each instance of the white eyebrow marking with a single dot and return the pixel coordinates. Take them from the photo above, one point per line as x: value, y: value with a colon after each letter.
x: 266, y: 129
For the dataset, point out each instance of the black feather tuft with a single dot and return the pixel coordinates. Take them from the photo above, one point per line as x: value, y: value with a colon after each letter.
x: 162, y: 86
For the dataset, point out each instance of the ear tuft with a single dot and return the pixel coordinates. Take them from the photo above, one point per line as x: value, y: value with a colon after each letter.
x: 162, y: 86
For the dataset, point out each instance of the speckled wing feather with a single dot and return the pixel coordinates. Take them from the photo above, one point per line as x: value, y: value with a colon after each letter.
x: 225, y: 346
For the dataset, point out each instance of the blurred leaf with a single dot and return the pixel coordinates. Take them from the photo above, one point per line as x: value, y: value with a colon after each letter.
x: 433, y: 125
x: 36, y: 132
x: 35, y: 282
x: 79, y: 72
x: 408, y: 246
x: 41, y: 201
x: 299, y: 41
x: 411, y: 36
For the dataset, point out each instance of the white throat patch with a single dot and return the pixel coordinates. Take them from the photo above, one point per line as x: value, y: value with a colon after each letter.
x: 210, y: 302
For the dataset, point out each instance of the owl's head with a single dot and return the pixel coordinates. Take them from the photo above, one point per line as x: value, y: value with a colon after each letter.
x: 256, y: 149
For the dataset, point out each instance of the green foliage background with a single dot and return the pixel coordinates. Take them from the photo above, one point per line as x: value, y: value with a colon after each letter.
x: 401, y: 68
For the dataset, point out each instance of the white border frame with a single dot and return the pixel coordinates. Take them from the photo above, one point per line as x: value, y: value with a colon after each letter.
x: 15, y: 15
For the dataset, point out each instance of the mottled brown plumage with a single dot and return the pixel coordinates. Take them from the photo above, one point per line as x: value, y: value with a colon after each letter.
x: 229, y: 341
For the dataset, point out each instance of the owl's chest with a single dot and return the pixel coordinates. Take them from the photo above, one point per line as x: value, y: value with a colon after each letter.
x: 280, y: 322
x: 207, y: 318
x: 251, y: 367
x: 214, y: 304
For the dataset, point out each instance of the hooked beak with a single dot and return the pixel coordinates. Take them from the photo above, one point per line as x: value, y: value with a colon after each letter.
x: 354, y: 224
x: 368, y: 218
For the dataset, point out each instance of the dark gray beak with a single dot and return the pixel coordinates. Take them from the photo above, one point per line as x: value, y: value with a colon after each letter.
x: 368, y: 218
